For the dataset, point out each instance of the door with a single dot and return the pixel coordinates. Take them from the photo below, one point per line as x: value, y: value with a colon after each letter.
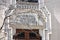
x: 26, y: 34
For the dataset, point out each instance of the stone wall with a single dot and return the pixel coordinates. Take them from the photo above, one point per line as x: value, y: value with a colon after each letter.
x: 54, y: 5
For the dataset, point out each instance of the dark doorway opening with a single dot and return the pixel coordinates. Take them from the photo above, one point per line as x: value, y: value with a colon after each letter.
x: 32, y: 0
x: 36, y: 1
x: 26, y: 34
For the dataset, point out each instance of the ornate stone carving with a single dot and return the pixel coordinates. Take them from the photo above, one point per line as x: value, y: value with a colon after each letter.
x: 27, y: 17
x: 30, y: 19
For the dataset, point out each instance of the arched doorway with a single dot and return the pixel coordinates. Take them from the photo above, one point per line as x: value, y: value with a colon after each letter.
x: 26, y: 34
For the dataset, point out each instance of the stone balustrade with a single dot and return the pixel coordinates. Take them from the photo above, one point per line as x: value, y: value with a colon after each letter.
x: 27, y: 5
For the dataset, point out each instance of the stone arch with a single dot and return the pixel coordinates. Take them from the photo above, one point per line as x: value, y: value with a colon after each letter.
x: 41, y: 15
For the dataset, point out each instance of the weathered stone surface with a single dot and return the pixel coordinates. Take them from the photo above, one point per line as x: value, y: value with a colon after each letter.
x: 2, y: 14
x: 54, y: 8
x: 27, y: 17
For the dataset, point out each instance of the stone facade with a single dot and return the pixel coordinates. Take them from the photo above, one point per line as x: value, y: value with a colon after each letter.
x: 34, y: 16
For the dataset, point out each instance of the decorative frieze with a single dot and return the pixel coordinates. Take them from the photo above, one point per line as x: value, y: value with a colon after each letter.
x: 30, y: 19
